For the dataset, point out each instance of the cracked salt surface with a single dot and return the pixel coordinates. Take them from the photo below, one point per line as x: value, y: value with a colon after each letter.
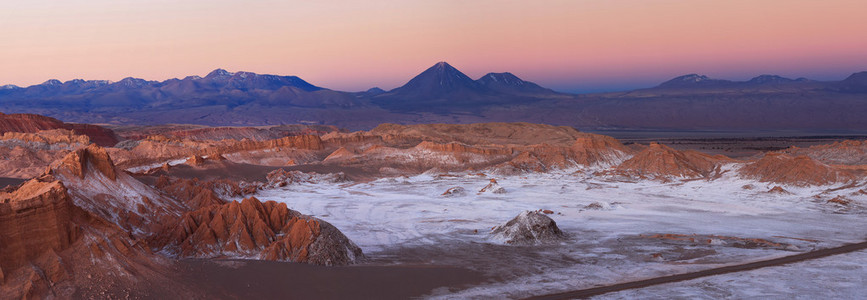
x: 406, y: 220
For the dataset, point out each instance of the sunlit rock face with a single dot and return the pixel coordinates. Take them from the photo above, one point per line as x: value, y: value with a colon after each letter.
x: 254, y: 229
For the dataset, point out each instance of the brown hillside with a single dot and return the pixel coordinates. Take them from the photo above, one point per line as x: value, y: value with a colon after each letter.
x: 798, y: 171
x: 659, y: 160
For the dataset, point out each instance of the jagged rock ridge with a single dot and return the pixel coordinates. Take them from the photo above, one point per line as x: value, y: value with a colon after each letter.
x: 259, y: 230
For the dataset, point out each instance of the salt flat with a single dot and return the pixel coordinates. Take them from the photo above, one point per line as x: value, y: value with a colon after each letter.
x: 836, y: 277
x: 407, y: 220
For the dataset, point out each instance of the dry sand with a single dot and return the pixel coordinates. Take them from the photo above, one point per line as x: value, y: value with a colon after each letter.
x: 249, y: 279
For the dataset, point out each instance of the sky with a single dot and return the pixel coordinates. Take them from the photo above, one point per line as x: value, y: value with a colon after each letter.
x: 569, y: 45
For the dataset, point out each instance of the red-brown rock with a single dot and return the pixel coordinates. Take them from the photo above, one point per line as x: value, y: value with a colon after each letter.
x: 798, y: 171
x: 849, y: 152
x: 78, y: 161
x: 196, y: 194
x: 30, y: 123
x: 659, y: 160
x: 35, y: 218
x: 266, y: 230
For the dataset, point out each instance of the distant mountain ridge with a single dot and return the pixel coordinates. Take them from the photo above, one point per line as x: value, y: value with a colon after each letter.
x: 696, y: 80
x: 438, y: 80
x: 442, y: 93
x: 509, y: 83
x: 443, y: 84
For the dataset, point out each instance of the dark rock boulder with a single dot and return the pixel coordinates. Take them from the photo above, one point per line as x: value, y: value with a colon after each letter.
x: 529, y: 228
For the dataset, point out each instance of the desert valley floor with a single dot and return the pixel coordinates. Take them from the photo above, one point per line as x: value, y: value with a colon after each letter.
x: 494, y: 210
x: 616, y: 230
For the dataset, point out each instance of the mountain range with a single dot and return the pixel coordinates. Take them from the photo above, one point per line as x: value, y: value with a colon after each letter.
x: 443, y: 94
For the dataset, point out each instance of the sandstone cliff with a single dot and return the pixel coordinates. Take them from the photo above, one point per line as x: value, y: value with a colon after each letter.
x: 51, y: 248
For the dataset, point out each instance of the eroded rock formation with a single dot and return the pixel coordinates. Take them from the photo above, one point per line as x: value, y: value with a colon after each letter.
x: 98, y: 187
x: 849, y: 152
x: 493, y: 187
x: 528, y: 228
x: 30, y: 123
x: 797, y: 171
x: 35, y: 218
x: 660, y: 161
x: 259, y: 230
x: 50, y: 247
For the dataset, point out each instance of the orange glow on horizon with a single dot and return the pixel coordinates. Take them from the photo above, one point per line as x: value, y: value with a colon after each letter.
x: 357, y: 45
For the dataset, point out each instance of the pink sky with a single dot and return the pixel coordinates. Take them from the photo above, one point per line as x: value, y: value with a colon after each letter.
x: 354, y: 45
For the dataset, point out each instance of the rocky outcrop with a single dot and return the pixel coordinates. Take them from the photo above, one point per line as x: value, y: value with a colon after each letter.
x: 303, y: 142
x: 281, y: 177
x: 30, y: 123
x: 496, y: 136
x: 849, y: 152
x: 528, y: 228
x: 598, y: 150
x: 587, y: 150
x: 196, y: 194
x: 195, y: 160
x: 35, y: 218
x: 51, y: 248
x: 508, y: 147
x: 356, y: 139
x: 493, y: 187
x: 156, y: 150
x: 37, y: 221
x: 25, y: 162
x: 419, y: 159
x: 340, y: 154
x: 505, y: 148
x: 840, y: 200
x: 454, y: 191
x: 25, y: 155
x: 45, y: 139
x: 459, y: 148
x: 97, y: 134
x: 99, y: 188
x: 259, y: 230
x: 797, y: 171
x: 660, y: 161
x: 523, y: 162
x: 479, y: 133
x: 79, y: 161
x: 779, y: 190
x: 27, y: 123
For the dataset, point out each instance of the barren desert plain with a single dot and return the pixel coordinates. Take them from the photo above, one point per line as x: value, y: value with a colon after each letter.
x: 417, y: 149
x: 484, y: 210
